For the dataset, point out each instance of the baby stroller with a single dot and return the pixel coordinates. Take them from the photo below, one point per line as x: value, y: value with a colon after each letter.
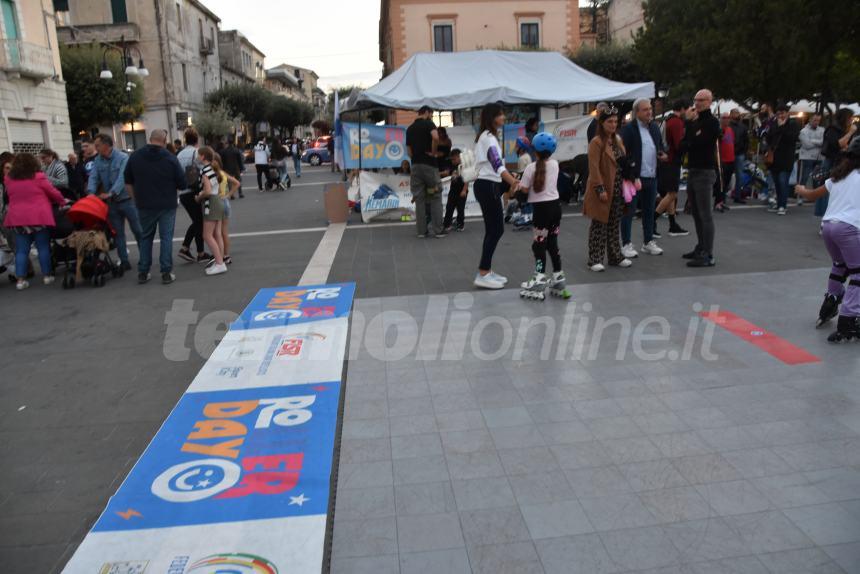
x: 90, y: 244
x: 273, y: 179
x: 753, y: 181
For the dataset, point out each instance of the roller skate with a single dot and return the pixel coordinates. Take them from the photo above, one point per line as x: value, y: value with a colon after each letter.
x: 534, y: 288
x: 558, y: 287
x: 829, y: 309
x: 847, y: 329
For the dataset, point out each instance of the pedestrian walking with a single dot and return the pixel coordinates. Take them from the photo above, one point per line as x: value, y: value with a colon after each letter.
x: 644, y: 146
x: 262, y: 156
x: 29, y: 215
x: 841, y: 233
x: 297, y: 149
x: 457, y: 194
x: 55, y: 170
x: 189, y: 159
x: 213, y: 210
x: 491, y: 171
x: 155, y: 177
x: 727, y: 164
x: 782, y: 142
x: 540, y: 181
x: 669, y: 171
x: 604, y: 201
x: 422, y: 141
x: 330, y: 147
x: 280, y: 152
x: 109, y: 175
x: 701, y: 136
x: 234, y: 163
x: 742, y: 145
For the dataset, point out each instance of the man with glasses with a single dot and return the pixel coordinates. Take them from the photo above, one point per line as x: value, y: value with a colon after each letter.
x: 701, y: 138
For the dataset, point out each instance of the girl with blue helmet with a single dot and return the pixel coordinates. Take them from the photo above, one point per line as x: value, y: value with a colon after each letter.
x: 541, y: 180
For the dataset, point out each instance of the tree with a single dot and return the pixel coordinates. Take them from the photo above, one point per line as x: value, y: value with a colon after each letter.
x: 93, y: 101
x: 322, y: 126
x: 214, y: 123
x: 249, y: 101
x: 373, y: 116
x: 761, y: 51
x: 612, y: 61
x: 286, y: 114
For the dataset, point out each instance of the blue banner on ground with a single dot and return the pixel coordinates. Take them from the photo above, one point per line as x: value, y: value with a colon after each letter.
x: 377, y: 146
x: 230, y: 456
x: 284, y: 306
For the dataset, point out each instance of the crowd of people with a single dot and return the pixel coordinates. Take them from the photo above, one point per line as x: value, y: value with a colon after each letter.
x: 142, y: 191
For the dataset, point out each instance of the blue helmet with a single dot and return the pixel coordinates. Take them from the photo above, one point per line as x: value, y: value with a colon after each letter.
x: 544, y: 142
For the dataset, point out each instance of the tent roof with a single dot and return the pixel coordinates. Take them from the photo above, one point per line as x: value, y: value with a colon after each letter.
x: 457, y: 80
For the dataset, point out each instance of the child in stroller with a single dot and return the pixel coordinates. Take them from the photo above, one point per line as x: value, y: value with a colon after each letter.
x: 274, y: 181
x: 89, y: 245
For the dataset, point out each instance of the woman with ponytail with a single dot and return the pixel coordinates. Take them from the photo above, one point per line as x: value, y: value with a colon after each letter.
x: 540, y: 179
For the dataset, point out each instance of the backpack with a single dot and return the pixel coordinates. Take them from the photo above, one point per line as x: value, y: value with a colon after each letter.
x: 468, y: 166
x: 192, y: 174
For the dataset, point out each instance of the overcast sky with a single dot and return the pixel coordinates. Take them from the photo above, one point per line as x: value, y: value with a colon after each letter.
x: 338, y: 39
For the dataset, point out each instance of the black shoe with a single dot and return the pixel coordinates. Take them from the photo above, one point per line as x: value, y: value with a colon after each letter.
x: 461, y: 227
x: 203, y: 257
x: 143, y: 278
x: 829, y: 309
x: 702, y: 260
x: 241, y: 195
x: 678, y: 231
x: 185, y: 254
x: 692, y: 254
x: 126, y: 266
x: 441, y: 234
x: 228, y: 260
x: 167, y: 278
x: 656, y: 234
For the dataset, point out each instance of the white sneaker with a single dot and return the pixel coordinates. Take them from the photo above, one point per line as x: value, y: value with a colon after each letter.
x: 780, y: 211
x: 488, y: 282
x: 598, y: 268
x: 48, y: 279
x: 651, y: 248
x: 216, y: 269
x: 625, y: 263
x: 628, y: 251
x: 21, y: 285
x: 498, y: 277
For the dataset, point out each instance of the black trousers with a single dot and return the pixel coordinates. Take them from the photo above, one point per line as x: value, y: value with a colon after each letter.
x: 195, y: 230
x: 455, y: 202
x: 489, y: 196
x: 261, y: 169
x: 546, y: 223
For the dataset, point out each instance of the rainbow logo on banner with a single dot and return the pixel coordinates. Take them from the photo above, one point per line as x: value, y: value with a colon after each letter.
x: 234, y: 564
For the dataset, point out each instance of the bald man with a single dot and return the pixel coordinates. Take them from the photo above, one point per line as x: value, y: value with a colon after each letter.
x: 701, y: 137
x: 153, y: 176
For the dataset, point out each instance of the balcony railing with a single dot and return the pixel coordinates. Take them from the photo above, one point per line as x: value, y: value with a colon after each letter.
x: 26, y: 59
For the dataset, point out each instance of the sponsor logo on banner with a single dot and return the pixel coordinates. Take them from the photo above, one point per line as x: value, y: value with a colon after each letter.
x: 233, y: 456
x: 231, y: 372
x: 134, y: 567
x: 384, y: 198
x: 233, y: 564
x: 388, y: 197
x: 279, y: 307
x: 374, y: 146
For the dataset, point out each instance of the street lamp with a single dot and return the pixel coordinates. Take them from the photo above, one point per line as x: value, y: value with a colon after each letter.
x: 129, y: 70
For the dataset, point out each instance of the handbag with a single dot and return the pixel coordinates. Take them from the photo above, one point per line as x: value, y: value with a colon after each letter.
x: 768, y: 157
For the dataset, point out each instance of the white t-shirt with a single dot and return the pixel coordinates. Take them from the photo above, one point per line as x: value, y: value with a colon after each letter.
x: 489, y: 159
x: 550, y: 185
x: 261, y: 154
x: 209, y: 173
x: 844, y: 202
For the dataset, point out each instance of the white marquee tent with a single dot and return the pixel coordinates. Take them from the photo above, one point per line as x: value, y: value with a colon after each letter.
x: 458, y: 80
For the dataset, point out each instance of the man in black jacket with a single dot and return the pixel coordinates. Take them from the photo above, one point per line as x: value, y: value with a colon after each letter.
x: 782, y: 139
x: 233, y: 162
x: 701, y: 137
x: 152, y: 177
x: 742, y: 146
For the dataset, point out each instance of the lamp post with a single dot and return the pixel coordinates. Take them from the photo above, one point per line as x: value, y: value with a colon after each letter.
x: 129, y: 69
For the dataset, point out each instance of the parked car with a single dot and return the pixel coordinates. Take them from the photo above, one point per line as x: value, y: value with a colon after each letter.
x: 316, y: 156
x: 321, y: 141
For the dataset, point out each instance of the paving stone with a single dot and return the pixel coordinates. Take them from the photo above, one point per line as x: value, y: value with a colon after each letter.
x: 733, y: 497
x: 512, y: 558
x: 617, y: 512
x: 769, y: 531
x: 359, y: 503
x: 483, y: 493
x: 416, y: 446
x: 555, y: 519
x: 826, y: 523
x: 517, y: 437
x: 583, y: 554
x: 706, y: 539
x: 517, y: 461
x: 640, y: 548
x: 806, y: 560
x: 424, y: 498
x: 365, y: 537
x: 453, y: 561
x: 413, y: 424
x: 493, y: 526
x: 422, y: 469
x: 423, y: 532
x: 651, y: 475
x: 484, y: 464
x: 679, y: 504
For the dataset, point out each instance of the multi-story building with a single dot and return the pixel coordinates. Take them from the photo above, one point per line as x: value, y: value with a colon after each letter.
x: 625, y: 18
x: 410, y: 26
x: 178, y: 42
x: 33, y: 109
x: 241, y: 61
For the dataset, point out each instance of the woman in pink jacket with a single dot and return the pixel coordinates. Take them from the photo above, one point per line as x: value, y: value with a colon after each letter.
x: 30, y: 216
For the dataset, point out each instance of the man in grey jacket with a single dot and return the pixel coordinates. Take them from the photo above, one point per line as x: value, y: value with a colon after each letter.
x: 811, y: 140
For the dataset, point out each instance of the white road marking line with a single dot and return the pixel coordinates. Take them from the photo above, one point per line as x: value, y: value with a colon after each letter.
x: 253, y: 234
x: 319, y: 267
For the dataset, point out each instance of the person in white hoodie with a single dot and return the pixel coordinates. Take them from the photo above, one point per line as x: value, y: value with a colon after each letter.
x: 262, y: 154
x: 811, y: 140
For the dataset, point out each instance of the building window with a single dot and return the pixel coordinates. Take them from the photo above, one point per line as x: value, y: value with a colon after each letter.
x: 200, y: 25
x: 184, y: 77
x: 443, y: 37
x: 178, y: 16
x: 117, y: 8
x: 530, y: 34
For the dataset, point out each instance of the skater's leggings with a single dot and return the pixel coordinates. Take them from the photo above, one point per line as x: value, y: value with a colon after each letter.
x: 489, y: 194
x: 843, y: 243
x: 546, y: 222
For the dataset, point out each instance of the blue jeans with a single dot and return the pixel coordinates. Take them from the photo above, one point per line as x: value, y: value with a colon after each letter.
x: 646, y: 199
x: 297, y: 164
x: 165, y: 219
x: 118, y: 214
x: 740, y: 165
x: 283, y: 173
x: 780, y: 178
x: 23, y: 241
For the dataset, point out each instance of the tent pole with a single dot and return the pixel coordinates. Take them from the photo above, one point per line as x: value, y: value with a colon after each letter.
x: 556, y: 111
x: 359, y: 141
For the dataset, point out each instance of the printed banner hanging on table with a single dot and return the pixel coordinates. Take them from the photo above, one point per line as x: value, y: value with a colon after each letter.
x: 571, y: 135
x: 388, y: 198
x: 239, y: 475
x: 378, y: 146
